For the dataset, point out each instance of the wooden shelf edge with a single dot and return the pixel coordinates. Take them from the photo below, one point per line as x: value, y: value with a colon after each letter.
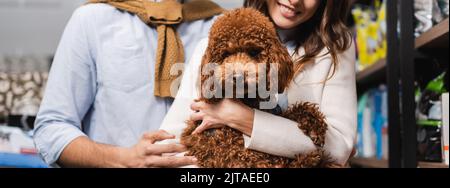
x: 432, y: 165
x: 434, y: 35
x: 376, y: 163
x: 369, y: 71
x: 369, y: 162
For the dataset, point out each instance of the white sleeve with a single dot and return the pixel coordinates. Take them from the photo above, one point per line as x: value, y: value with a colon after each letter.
x: 279, y: 136
x: 179, y: 112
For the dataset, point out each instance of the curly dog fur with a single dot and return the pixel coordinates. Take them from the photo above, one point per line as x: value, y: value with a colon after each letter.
x: 246, y: 35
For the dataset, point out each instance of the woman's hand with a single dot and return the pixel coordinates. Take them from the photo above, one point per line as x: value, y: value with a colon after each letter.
x: 225, y: 113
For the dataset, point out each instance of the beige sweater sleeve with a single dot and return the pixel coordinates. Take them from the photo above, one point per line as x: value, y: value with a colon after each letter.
x: 337, y: 100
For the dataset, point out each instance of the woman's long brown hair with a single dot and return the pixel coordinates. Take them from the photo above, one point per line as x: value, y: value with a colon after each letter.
x: 325, y: 30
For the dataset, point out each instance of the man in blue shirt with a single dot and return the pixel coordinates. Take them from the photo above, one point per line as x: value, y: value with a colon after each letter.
x: 99, y: 109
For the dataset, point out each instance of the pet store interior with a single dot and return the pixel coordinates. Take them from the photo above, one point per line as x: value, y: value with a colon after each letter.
x: 402, y: 78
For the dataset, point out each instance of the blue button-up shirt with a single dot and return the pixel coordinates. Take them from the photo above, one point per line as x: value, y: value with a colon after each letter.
x: 101, y: 80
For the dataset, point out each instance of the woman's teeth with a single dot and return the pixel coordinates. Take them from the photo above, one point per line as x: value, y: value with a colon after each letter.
x: 286, y: 11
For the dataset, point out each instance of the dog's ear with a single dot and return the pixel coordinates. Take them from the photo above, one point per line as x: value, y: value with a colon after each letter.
x: 204, y: 77
x: 279, y: 55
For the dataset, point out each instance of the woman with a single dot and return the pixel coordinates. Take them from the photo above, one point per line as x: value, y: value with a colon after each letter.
x: 321, y: 47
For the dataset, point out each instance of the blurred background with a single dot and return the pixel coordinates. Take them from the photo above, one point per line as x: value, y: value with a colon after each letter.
x: 402, y: 80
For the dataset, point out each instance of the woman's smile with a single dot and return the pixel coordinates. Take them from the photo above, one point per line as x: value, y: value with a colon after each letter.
x: 287, y: 14
x: 287, y: 11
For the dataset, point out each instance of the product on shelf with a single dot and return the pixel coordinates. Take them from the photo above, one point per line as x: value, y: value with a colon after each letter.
x: 429, y: 12
x: 370, y: 23
x: 429, y: 120
x: 14, y: 140
x: 443, y: 6
x: 372, y: 124
x: 445, y: 128
x: 423, y: 12
x: 17, y: 149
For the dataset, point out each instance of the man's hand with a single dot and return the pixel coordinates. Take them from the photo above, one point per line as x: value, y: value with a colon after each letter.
x: 83, y: 152
x: 148, y: 154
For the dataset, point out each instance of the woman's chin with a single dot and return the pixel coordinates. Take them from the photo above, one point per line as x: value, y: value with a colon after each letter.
x: 285, y: 24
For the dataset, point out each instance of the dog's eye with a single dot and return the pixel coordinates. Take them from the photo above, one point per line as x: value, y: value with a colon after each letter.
x: 226, y: 54
x: 254, y: 52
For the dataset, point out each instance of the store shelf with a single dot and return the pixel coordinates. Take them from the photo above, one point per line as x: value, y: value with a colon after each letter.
x: 436, y: 37
x: 432, y: 165
x: 399, y: 76
x: 369, y: 163
x: 376, y: 163
x: 371, y: 73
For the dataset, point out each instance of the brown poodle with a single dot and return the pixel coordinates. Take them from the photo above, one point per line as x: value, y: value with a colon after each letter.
x: 248, y: 37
